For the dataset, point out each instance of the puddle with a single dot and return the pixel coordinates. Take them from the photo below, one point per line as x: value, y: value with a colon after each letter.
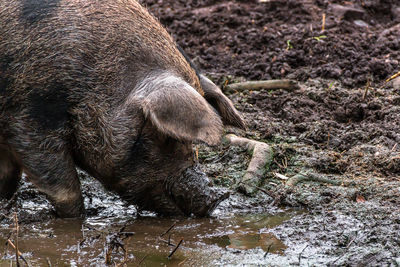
x: 87, y: 243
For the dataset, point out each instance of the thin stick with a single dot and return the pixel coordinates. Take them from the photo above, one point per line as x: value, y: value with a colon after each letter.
x: 258, y: 85
x: 19, y: 252
x: 302, y: 253
x: 16, y: 239
x: 266, y: 253
x: 367, y: 86
x: 123, y: 263
x: 168, y: 242
x: 323, y: 21
x: 169, y: 229
x: 182, y: 262
x: 393, y: 77
x: 140, y: 262
x: 175, y: 249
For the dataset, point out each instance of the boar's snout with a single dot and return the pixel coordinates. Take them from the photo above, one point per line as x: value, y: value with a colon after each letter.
x: 194, y: 194
x: 216, y: 196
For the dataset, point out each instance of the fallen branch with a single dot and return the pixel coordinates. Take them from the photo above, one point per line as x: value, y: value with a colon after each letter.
x: 258, y: 85
x: 260, y: 161
x: 311, y: 177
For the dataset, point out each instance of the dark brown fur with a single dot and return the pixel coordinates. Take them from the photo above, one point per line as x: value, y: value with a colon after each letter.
x: 100, y: 85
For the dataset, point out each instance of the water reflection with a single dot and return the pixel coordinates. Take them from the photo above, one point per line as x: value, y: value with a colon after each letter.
x: 73, y: 242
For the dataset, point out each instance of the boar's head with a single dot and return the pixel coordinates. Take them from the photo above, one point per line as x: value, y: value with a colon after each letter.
x: 159, y: 172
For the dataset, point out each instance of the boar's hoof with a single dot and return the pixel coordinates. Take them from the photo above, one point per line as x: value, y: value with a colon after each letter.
x: 70, y: 209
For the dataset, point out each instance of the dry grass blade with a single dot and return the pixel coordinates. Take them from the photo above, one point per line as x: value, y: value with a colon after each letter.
x: 19, y: 253
x: 393, y: 77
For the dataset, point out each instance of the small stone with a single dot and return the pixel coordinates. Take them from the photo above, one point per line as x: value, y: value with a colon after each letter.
x: 361, y: 23
x: 396, y: 83
x: 396, y: 12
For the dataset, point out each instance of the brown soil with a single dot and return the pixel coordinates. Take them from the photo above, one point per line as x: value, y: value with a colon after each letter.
x: 279, y: 38
x: 343, y: 123
x: 351, y: 122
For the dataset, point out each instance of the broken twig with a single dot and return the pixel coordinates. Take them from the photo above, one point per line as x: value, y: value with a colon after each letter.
x: 175, y: 249
x: 393, y: 77
x: 169, y: 229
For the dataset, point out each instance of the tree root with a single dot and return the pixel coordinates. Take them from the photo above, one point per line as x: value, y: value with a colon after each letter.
x: 262, y: 156
x: 311, y: 177
x: 260, y: 162
x: 258, y: 85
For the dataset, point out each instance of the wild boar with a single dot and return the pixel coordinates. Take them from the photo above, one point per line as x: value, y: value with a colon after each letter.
x: 102, y: 86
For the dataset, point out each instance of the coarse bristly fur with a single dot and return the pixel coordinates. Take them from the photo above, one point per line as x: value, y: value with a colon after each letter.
x: 100, y: 85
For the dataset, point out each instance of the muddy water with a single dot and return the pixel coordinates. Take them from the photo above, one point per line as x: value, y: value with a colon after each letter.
x: 85, y: 243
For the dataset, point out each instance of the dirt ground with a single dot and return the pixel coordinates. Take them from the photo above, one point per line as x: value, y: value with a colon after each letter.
x: 343, y: 123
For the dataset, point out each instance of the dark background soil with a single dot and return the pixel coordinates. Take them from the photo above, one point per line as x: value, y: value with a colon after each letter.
x: 278, y: 38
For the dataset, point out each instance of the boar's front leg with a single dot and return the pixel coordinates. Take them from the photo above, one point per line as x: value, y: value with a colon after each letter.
x: 10, y: 173
x: 51, y: 169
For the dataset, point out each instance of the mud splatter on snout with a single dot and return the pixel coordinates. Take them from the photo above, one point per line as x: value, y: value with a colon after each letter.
x: 194, y: 193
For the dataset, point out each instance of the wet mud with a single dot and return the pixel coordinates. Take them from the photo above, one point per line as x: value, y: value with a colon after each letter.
x: 342, y: 124
x: 113, y: 233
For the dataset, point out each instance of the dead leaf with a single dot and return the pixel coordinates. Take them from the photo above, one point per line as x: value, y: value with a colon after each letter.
x: 360, y: 199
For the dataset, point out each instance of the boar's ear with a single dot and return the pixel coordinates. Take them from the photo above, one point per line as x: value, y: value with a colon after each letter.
x: 221, y: 103
x: 178, y: 110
